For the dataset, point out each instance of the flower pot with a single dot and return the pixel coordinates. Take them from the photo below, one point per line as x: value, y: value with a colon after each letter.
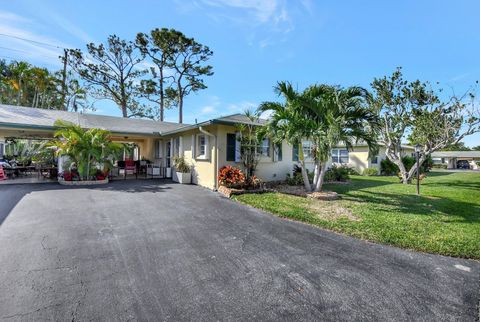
x: 184, y: 177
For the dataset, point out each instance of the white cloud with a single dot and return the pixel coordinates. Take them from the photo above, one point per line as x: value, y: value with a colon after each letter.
x: 241, y: 107
x: 209, y: 109
x: 262, y: 10
x: 259, y: 18
x: 69, y: 27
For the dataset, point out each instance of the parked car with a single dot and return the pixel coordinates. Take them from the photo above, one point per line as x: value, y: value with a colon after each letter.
x: 463, y: 164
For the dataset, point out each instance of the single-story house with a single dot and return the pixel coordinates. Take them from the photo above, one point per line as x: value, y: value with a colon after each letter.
x: 451, y: 158
x: 206, y: 146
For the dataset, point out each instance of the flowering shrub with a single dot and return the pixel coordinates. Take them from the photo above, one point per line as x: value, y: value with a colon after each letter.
x: 231, y: 177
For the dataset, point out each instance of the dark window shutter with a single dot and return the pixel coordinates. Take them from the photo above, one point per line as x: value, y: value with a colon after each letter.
x: 231, y: 141
x: 295, y: 152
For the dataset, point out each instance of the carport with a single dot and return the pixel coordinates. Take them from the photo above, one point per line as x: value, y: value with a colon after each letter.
x: 38, y: 124
x: 451, y: 158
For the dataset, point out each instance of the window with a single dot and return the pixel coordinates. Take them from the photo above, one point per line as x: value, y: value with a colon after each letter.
x: 202, y: 147
x: 1, y: 151
x: 307, y: 149
x: 231, y: 145
x: 264, y: 148
x: 375, y: 160
x: 339, y: 156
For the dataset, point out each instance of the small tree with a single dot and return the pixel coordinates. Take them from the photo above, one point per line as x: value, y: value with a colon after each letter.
x: 250, y: 136
x: 111, y: 72
x: 414, y: 109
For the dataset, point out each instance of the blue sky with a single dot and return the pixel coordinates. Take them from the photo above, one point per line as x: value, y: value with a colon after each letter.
x: 258, y: 42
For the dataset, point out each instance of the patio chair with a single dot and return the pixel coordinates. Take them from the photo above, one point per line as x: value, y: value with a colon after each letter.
x: 130, y: 167
x: 2, y: 174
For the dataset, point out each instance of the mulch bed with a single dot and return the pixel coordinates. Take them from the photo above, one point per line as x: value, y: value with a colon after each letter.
x: 300, y: 191
x: 228, y: 192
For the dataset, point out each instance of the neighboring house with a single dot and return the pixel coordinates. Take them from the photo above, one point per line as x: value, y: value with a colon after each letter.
x: 207, y: 146
x: 451, y: 158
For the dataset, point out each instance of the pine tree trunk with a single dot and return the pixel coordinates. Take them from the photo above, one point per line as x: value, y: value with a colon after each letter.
x: 162, y: 95
x: 180, y: 109
x: 124, y: 109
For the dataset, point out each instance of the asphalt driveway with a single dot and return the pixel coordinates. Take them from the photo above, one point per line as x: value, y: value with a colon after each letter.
x: 149, y: 251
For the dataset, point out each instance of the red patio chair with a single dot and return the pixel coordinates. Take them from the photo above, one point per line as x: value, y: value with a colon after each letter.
x: 2, y: 174
x: 130, y: 166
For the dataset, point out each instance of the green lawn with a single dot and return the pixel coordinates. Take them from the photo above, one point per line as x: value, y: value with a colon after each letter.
x: 445, y: 219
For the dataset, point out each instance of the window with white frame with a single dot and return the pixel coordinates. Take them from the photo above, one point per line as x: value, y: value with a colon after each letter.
x: 307, y: 149
x: 339, y: 155
x: 375, y: 160
x: 201, y: 148
x: 264, y: 148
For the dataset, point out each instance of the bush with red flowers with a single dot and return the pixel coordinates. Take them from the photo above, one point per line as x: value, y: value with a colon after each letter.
x: 100, y: 175
x: 70, y: 175
x: 231, y: 177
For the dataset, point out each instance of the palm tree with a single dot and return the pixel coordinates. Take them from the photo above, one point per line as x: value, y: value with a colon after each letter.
x: 86, y: 148
x: 288, y: 122
x: 325, y: 115
x: 340, y: 115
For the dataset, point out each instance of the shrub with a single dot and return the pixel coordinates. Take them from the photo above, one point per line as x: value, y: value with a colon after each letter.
x: 181, y: 165
x: 388, y: 168
x: 370, y: 172
x: 338, y: 173
x: 296, y: 178
x: 231, y: 177
x: 439, y: 166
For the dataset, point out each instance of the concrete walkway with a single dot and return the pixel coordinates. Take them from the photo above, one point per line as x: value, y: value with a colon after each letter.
x: 148, y: 251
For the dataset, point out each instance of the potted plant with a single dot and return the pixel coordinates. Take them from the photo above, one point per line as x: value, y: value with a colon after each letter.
x: 182, y: 170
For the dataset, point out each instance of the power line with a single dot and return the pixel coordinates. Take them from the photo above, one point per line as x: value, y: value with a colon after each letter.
x: 7, y: 57
x: 32, y: 41
x: 27, y: 52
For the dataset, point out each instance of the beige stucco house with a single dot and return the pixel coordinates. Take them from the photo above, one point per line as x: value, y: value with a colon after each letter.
x: 207, y: 146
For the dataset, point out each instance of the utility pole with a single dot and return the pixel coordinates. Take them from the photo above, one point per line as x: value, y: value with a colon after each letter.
x: 64, y: 78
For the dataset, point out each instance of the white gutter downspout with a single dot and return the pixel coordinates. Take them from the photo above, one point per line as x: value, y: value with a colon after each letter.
x: 215, y: 161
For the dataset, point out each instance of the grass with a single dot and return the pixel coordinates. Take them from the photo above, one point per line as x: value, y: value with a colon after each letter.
x: 445, y: 219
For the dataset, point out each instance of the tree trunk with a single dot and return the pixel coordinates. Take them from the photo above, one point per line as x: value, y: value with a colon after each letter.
x: 19, y: 94
x: 124, y: 109
x: 316, y: 172
x: 319, y: 183
x: 306, y: 181
x: 162, y: 95
x: 414, y: 169
x: 180, y: 108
